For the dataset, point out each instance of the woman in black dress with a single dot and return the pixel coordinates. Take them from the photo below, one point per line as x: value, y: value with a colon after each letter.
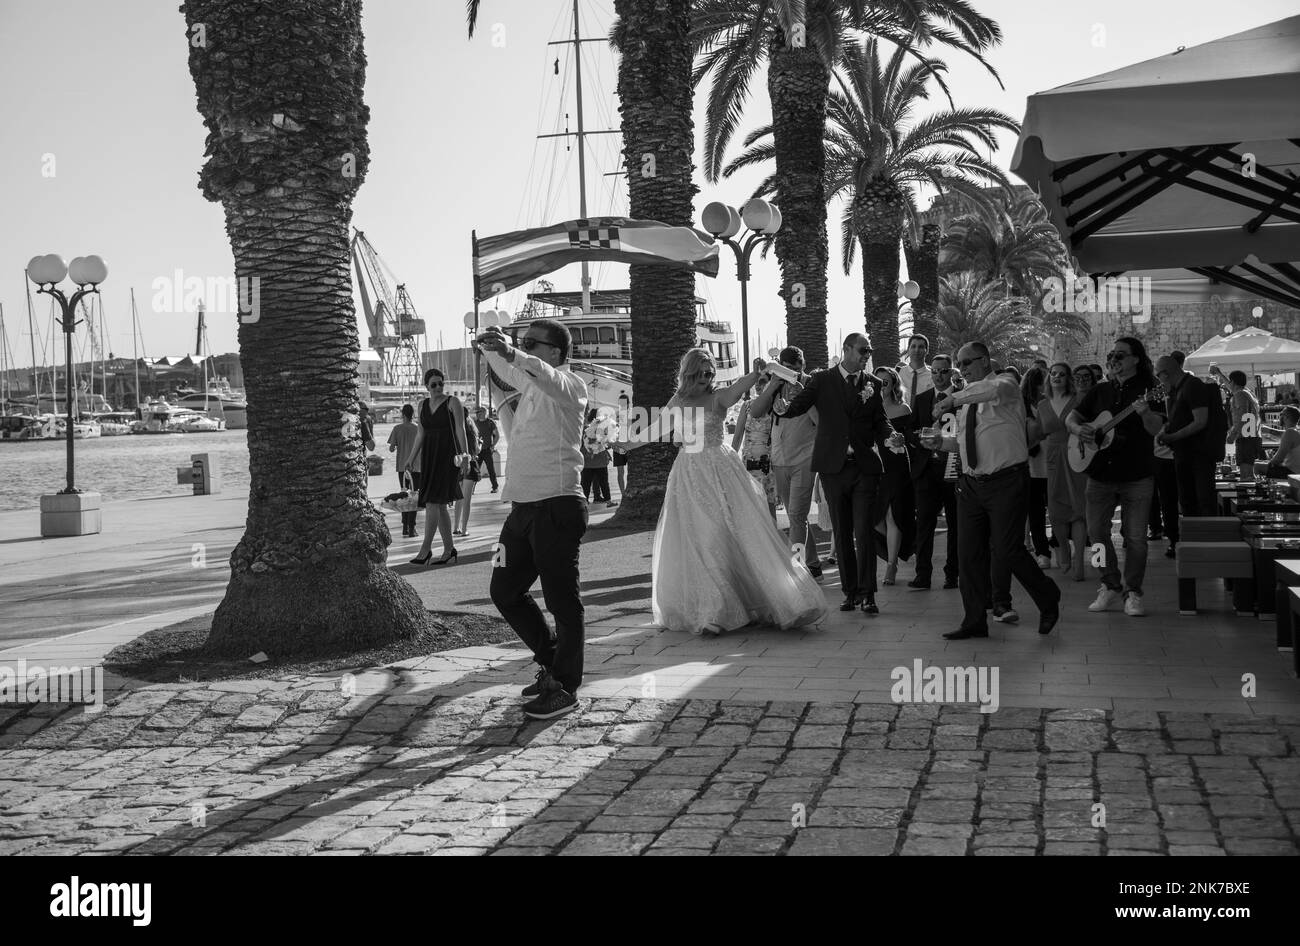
x: 443, y: 453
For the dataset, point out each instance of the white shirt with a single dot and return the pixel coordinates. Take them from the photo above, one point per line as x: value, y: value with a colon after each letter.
x: 1000, y: 439
x: 793, y: 437
x: 545, y: 456
x: 924, y: 381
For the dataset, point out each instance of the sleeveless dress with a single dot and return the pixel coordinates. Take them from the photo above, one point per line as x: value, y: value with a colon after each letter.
x: 439, y: 475
x: 896, y: 495
x: 719, y: 560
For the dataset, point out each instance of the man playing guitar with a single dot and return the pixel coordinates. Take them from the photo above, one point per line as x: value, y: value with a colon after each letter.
x: 1123, y: 473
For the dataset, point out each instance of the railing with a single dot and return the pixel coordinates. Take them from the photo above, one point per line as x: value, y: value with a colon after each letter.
x: 606, y: 350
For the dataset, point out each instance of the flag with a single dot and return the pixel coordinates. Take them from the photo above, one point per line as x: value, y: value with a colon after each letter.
x: 508, y: 260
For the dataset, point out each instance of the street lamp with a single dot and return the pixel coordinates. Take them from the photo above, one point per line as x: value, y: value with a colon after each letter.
x: 763, y: 220
x: 86, y: 271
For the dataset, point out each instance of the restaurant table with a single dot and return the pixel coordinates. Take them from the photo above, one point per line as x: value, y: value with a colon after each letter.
x: 1269, y: 542
x: 1235, y: 505
x: 1287, y: 573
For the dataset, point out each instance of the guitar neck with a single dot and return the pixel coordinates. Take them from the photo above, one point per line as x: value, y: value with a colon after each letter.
x: 1119, y: 418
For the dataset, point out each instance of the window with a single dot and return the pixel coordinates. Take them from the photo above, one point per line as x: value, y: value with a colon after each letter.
x: 588, y: 335
x: 607, y: 335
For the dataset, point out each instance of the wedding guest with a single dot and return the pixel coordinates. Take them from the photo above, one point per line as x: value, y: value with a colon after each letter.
x: 1189, y: 405
x: 1121, y: 474
x: 992, y: 493
x: 1084, y: 381
x: 548, y: 516
x: 934, y: 481
x: 792, y: 449
x: 1031, y: 388
x: 596, y: 458
x: 470, y: 476
x: 1098, y: 375
x: 1164, y: 499
x: 401, y: 441
x: 913, y: 373
x: 753, y: 441
x: 443, y: 456
x: 1066, y: 489
x: 894, y: 515
x: 489, y: 436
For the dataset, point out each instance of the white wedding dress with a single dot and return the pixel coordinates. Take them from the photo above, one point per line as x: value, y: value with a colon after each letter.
x: 719, y: 561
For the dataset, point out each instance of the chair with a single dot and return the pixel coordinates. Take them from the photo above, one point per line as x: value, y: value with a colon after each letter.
x: 1212, y: 547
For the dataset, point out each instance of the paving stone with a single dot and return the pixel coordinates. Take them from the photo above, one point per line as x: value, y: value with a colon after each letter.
x: 872, y: 842
x: 603, y: 844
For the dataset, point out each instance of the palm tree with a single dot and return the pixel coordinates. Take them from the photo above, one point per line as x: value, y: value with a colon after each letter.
x: 280, y: 91
x: 801, y: 40
x: 972, y: 309
x: 876, y: 158
x: 921, y: 247
x: 654, y: 91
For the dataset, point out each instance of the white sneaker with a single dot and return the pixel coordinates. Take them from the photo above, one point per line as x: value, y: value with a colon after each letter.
x: 1133, y: 605
x: 1044, y: 561
x: 1105, y: 598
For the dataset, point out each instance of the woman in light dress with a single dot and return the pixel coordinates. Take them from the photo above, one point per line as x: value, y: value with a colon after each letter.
x: 1065, y: 488
x: 753, y: 441
x: 719, y: 561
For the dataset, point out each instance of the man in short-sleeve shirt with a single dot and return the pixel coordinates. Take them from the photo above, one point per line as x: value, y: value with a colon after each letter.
x: 1185, y: 433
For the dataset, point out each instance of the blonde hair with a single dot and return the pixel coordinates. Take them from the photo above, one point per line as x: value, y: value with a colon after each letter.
x: 896, y: 388
x: 688, y: 372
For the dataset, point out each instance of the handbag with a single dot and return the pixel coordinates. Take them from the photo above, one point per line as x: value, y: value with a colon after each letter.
x: 408, y: 500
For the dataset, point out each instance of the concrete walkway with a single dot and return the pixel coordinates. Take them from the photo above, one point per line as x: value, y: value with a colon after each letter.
x: 761, y: 741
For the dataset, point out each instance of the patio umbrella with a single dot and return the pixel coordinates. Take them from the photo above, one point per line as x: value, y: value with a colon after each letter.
x: 1190, y: 160
x: 1253, y: 350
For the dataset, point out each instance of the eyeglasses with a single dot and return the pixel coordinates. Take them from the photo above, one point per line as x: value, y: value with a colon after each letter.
x: 967, y: 362
x: 528, y: 344
x: 1118, y: 356
x: 864, y: 350
x: 707, y: 374
x: 943, y: 371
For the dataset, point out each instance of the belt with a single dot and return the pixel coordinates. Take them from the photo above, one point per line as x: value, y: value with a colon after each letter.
x: 1005, y: 471
x: 516, y: 504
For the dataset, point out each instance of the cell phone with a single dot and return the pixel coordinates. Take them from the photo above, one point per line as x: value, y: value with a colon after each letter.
x: 777, y: 370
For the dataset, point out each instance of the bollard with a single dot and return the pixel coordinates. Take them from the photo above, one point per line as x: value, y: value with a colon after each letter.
x: 202, y: 473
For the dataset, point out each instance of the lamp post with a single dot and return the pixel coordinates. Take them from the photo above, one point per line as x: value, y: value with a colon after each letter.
x: 86, y: 271
x: 763, y: 220
x: 473, y: 322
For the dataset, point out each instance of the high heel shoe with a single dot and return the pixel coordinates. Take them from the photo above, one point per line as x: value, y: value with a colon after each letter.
x: 422, y: 560
x: 891, y: 572
x: 448, y: 558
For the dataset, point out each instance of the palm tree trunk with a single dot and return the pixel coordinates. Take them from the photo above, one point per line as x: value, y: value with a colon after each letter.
x: 280, y: 90
x: 654, y: 90
x: 923, y: 268
x: 878, y: 218
x: 797, y: 83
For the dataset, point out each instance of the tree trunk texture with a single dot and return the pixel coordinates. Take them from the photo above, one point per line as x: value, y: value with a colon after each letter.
x: 797, y: 82
x: 280, y: 91
x: 923, y: 268
x: 878, y: 211
x: 654, y: 91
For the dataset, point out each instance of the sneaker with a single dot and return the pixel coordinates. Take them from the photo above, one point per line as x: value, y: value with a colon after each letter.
x: 1005, y: 615
x: 1133, y: 605
x: 555, y: 701
x: 611, y: 504
x: 537, y: 686
x: 1105, y: 598
x: 1044, y: 561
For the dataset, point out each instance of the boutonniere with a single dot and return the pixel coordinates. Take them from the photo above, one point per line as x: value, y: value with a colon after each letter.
x: 868, y: 389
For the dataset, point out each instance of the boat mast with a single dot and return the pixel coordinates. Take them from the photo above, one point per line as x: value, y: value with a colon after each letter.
x: 135, y: 356
x: 31, y: 335
x: 6, y: 386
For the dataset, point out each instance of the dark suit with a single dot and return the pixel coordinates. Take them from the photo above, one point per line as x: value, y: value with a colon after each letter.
x: 932, y: 494
x: 850, y: 416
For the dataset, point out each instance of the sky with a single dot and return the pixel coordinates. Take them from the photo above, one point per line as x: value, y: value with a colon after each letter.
x: 101, y: 145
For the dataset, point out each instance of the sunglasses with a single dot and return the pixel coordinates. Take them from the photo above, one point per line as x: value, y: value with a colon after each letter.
x: 528, y: 344
x: 707, y: 374
x: 865, y: 350
x: 967, y: 362
x: 1118, y: 356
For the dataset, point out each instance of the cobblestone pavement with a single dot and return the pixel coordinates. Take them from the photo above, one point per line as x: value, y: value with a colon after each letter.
x: 298, y: 767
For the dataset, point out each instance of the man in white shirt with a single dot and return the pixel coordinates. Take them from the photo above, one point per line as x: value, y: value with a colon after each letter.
x: 548, y: 518
x: 993, y: 491
x: 916, y: 377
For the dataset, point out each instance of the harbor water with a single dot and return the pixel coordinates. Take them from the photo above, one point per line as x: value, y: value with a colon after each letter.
x: 128, y: 467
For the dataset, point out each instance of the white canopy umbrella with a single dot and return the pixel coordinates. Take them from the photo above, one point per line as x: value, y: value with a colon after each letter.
x: 1252, y: 350
x: 1189, y: 160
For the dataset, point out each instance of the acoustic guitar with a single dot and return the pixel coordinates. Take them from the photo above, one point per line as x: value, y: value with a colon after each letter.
x: 1081, y: 452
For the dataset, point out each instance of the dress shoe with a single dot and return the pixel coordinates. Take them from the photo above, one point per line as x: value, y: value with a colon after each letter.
x: 919, y: 582
x: 869, y: 605
x: 815, y: 571
x: 950, y: 583
x: 1047, y: 620
x: 963, y: 633
x: 848, y: 604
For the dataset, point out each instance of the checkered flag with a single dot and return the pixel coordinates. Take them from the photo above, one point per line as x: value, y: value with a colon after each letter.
x: 588, y: 237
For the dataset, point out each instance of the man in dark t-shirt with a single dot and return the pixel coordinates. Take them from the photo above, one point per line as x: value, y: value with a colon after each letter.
x: 1122, y: 474
x: 1186, y: 434
x: 488, y: 435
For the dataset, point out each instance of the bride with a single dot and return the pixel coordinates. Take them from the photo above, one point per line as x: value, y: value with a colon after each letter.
x: 719, y: 561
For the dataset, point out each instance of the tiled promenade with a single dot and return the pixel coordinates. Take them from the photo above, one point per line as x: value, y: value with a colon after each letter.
x: 1112, y: 735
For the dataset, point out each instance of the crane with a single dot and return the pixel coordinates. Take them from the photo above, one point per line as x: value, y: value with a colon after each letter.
x: 395, y: 328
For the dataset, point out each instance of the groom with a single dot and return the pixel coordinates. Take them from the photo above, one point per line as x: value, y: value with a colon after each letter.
x: 851, y: 426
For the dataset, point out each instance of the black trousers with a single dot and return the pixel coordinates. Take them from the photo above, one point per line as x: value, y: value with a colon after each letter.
x: 596, y: 479
x: 992, y: 514
x: 1195, y: 475
x: 851, y: 493
x: 932, y: 494
x: 485, y: 457
x: 1164, y: 501
x: 1038, y: 515
x: 541, y: 540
